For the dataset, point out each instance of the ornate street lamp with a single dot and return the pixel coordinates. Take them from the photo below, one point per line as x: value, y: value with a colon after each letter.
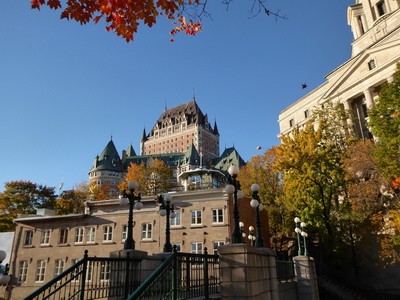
x: 298, y: 231
x: 251, y: 236
x: 4, y: 277
x: 256, y: 203
x: 233, y: 188
x: 304, y: 234
x: 166, y: 210
x: 241, y: 226
x: 129, y: 198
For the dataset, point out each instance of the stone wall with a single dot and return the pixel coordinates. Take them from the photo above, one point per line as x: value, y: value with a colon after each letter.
x: 248, y: 272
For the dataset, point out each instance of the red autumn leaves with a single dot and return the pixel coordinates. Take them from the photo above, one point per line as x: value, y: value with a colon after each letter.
x: 124, y: 16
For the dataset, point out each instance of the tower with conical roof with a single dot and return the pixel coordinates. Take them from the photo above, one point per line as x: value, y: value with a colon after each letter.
x: 178, y: 128
x: 107, y: 169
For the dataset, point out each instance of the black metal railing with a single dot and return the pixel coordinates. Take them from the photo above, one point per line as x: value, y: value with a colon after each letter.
x: 182, y: 276
x: 93, y: 278
x: 285, y: 270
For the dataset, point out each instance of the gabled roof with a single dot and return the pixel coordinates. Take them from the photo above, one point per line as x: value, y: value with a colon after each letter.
x: 229, y: 157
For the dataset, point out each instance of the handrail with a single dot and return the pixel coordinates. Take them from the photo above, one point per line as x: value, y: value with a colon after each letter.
x: 58, y: 278
x: 181, y: 274
x: 92, y: 277
x: 161, y: 268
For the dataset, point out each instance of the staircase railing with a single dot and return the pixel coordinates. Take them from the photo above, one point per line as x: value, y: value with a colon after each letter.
x: 93, y: 278
x: 182, y: 276
x: 285, y: 270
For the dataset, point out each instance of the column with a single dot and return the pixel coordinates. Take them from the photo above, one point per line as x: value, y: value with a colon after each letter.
x: 368, y: 98
x: 307, y: 283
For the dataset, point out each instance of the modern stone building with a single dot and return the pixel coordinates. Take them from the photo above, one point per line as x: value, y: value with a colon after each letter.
x: 183, y: 138
x: 46, y: 245
x: 375, y: 52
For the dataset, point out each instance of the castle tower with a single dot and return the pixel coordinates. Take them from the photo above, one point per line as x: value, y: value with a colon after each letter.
x: 178, y: 128
x: 107, y: 169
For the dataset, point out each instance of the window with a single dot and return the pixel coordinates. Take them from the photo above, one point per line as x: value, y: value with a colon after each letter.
x: 291, y: 122
x: 371, y: 64
x: 197, y: 248
x: 218, y: 215
x: 216, y: 245
x: 124, y: 232
x: 306, y: 114
x: 75, y: 273
x: 177, y: 220
x: 105, y: 271
x: 79, y: 235
x: 147, y: 231
x: 90, y: 234
x: 40, y: 270
x: 58, y: 267
x: 89, y: 271
x: 107, y: 233
x: 63, y: 236
x: 196, y: 217
x: 380, y: 6
x: 45, y: 239
x: 23, y: 270
x: 28, y: 237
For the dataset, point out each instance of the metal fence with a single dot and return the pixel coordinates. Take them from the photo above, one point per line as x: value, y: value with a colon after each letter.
x: 93, y: 278
x: 182, y: 276
x: 285, y: 270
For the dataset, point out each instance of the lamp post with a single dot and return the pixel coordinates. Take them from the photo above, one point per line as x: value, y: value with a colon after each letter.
x: 4, y: 277
x: 129, y: 198
x: 252, y: 237
x: 255, y: 203
x: 304, y: 234
x: 241, y: 226
x: 167, y: 211
x: 233, y: 188
x: 298, y: 231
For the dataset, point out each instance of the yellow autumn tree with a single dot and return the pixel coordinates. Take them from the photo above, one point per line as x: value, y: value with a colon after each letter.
x: 153, y: 177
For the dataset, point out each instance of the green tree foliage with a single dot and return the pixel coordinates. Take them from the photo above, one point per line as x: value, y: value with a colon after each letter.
x: 23, y: 197
x: 313, y: 176
x: 154, y: 177
x: 385, y: 125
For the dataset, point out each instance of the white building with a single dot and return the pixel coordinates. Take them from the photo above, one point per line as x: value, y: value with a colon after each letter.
x: 356, y: 83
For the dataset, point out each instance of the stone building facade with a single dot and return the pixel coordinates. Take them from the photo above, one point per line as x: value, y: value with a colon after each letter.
x: 356, y: 83
x: 178, y: 128
x: 44, y: 246
x: 182, y: 137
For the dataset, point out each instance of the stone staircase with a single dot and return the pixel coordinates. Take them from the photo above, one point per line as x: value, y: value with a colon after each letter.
x: 341, y: 291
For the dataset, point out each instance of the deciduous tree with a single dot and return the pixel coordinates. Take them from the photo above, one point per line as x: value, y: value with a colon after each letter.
x: 154, y: 177
x: 260, y: 170
x: 124, y: 16
x: 23, y: 197
x: 385, y: 125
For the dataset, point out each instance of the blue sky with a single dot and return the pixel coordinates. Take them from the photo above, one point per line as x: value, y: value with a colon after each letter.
x: 66, y: 88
